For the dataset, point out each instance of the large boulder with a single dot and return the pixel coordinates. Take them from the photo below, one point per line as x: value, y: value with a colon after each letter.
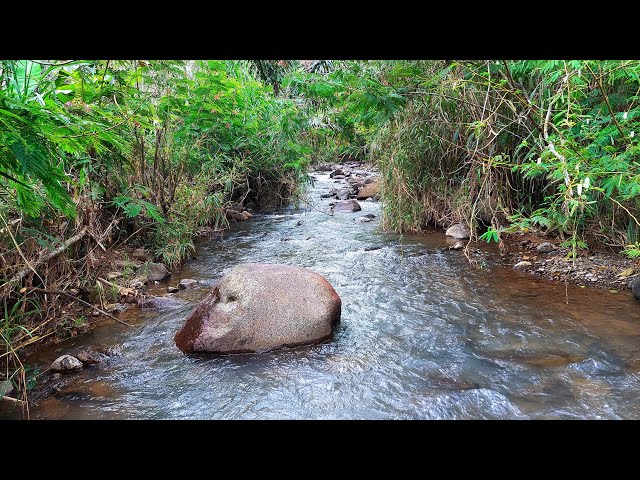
x: 260, y: 307
x: 369, y: 190
x: 347, y: 206
x: 458, y: 231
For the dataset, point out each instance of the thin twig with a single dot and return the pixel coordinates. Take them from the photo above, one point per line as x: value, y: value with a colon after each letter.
x: 62, y: 292
x: 46, y: 257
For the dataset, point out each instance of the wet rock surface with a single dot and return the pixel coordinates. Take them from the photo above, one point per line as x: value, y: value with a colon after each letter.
x: 260, y: 307
x: 458, y: 231
x: 66, y: 363
x: 155, y: 272
x: 347, y: 206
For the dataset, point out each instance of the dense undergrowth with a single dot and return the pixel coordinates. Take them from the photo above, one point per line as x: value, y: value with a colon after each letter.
x: 97, y: 154
x: 550, y: 146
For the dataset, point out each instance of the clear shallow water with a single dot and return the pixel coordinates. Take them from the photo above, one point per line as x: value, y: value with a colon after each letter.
x: 423, y: 335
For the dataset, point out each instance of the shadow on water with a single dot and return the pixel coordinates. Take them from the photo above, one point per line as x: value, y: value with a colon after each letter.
x: 422, y: 335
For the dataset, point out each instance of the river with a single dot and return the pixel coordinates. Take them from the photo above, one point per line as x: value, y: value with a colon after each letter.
x: 423, y: 335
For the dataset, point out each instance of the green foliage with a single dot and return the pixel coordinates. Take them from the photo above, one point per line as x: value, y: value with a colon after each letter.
x: 491, y: 235
x: 548, y: 144
x: 632, y: 250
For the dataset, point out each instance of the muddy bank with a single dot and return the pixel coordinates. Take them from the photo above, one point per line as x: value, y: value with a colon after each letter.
x: 544, y: 257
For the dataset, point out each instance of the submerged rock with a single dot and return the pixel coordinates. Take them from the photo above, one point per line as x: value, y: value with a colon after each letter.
x: 458, y: 231
x: 87, y: 357
x: 343, y: 194
x: 456, y: 246
x: 188, y: 283
x: 159, y: 302
x: 522, y: 265
x: 66, y: 363
x: 347, y: 206
x: 260, y: 307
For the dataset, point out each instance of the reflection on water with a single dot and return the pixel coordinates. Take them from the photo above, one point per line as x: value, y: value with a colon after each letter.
x: 422, y: 335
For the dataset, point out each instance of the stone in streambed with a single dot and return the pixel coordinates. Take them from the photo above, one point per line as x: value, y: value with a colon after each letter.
x: 367, y: 218
x: 188, y: 283
x: 66, y: 363
x: 155, y: 271
x: 369, y: 190
x: 260, y: 307
x: 159, y: 302
x: 522, y: 265
x: 457, y: 246
x: 458, y: 231
x: 172, y: 289
x: 343, y: 194
x: 88, y: 357
x: 347, y: 206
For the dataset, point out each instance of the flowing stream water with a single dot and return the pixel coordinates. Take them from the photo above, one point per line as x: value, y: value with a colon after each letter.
x: 423, y: 335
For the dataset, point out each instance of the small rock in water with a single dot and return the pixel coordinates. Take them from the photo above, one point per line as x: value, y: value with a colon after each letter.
x: 522, y: 265
x: 66, y: 363
x: 457, y: 246
x: 188, y: 283
x: 347, y: 206
x: 172, y: 289
x: 159, y: 302
x: 343, y: 195
x: 376, y: 197
x: 459, y: 231
x: 364, y: 219
x: 369, y: 249
x: 299, y: 223
x: 154, y: 271
x: 90, y: 358
x: 546, y: 247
